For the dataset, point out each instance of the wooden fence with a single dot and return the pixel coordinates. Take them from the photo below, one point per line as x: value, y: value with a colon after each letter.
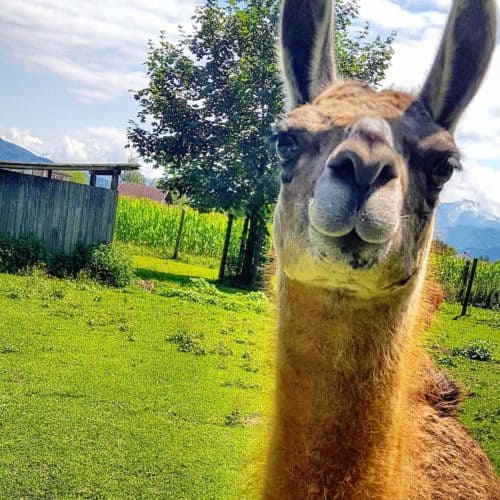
x: 63, y: 215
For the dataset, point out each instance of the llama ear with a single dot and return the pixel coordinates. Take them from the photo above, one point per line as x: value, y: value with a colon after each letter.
x: 307, y: 48
x: 462, y: 60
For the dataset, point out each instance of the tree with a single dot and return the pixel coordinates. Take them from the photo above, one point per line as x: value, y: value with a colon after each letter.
x: 133, y: 176
x: 207, y: 113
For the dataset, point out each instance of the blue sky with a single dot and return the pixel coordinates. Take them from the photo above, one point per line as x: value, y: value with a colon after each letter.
x: 66, y: 68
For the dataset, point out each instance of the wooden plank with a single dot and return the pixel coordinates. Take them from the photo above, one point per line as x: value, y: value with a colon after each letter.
x: 64, y: 219
x: 469, y: 287
x: 22, y: 193
x: 112, y: 216
x: 49, y: 199
x: 78, y: 198
x: 11, y: 196
x: 82, y: 229
x: 115, y: 179
x: 35, y: 225
x: 107, y: 172
x: 29, y: 200
x: 3, y: 186
x: 91, y: 228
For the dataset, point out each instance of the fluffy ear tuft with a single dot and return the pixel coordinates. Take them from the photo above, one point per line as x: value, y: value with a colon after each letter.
x: 462, y: 60
x: 307, y: 48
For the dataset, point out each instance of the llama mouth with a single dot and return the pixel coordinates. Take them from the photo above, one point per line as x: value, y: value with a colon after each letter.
x: 350, y: 249
x: 346, y: 222
x: 348, y: 242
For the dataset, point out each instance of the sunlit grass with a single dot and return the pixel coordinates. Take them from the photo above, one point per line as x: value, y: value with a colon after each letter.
x: 97, y: 401
x: 156, y: 391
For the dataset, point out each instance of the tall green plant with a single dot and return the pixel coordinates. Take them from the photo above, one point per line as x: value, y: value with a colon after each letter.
x: 146, y: 223
x: 486, y: 287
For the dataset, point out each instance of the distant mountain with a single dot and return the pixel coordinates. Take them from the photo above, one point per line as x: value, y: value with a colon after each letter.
x: 466, y: 226
x: 12, y: 152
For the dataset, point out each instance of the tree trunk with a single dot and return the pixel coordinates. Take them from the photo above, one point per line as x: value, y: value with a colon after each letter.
x: 227, y: 241
x: 254, y: 246
x: 249, y: 257
x: 243, y: 241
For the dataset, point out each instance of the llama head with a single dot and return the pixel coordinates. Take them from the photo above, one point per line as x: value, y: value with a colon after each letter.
x: 362, y: 169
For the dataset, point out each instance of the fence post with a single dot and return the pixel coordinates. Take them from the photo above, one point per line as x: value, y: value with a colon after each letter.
x: 465, y: 276
x: 225, y: 251
x: 243, y: 241
x: 179, y: 234
x: 469, y: 287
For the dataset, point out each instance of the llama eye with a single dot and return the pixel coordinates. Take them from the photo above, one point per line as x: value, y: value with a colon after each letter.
x: 443, y: 170
x: 287, y: 147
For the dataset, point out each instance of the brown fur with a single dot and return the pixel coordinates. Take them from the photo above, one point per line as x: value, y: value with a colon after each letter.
x: 361, y: 413
x: 349, y: 101
x: 346, y: 103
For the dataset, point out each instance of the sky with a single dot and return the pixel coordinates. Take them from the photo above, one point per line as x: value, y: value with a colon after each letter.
x: 67, y: 69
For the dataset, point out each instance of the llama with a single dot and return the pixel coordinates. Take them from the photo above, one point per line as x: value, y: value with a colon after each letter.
x: 360, y: 411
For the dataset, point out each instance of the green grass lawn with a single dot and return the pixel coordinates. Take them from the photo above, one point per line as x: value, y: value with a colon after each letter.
x: 97, y: 399
x: 156, y: 391
x: 478, y: 334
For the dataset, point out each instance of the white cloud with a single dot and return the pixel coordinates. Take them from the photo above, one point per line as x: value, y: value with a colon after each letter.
x: 98, y: 47
x: 24, y: 138
x: 70, y: 147
x: 390, y: 15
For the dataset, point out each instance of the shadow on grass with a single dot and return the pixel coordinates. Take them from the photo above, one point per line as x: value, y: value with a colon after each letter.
x: 185, y: 279
x: 149, y: 274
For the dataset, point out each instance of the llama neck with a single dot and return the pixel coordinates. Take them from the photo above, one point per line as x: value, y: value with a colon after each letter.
x: 341, y: 392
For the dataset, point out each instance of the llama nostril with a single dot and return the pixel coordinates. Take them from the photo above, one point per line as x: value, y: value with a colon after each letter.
x: 343, y: 168
x: 349, y: 167
x: 387, y: 173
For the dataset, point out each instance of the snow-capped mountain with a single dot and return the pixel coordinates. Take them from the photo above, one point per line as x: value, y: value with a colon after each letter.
x: 465, y: 213
x: 469, y: 228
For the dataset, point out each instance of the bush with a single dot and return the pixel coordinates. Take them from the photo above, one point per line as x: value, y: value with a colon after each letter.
x: 6, y: 254
x: 106, y: 263
x: 477, y: 350
x: 20, y: 254
x: 110, y: 266
x: 68, y: 266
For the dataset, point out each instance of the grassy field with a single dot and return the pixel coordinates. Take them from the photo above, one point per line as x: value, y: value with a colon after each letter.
x: 456, y: 343
x: 156, y: 391
x: 128, y: 394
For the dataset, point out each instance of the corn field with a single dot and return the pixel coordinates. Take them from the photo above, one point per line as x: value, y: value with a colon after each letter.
x: 146, y: 223
x: 486, y: 288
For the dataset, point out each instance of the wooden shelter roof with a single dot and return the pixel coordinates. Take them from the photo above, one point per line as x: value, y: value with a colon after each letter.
x: 95, y: 169
x: 98, y: 168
